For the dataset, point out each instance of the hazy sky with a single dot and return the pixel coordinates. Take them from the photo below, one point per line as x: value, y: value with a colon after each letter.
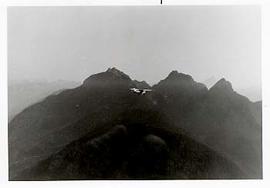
x: 71, y: 43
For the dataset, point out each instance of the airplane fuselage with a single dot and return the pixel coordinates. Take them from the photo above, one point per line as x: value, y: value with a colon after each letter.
x: 140, y: 91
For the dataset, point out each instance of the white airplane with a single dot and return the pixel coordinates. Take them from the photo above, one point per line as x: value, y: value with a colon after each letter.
x: 140, y: 91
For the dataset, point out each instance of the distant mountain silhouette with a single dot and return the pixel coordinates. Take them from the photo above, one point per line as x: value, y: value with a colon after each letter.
x: 101, y: 130
x: 23, y: 94
x: 141, y: 84
x: 254, y: 93
x: 209, y: 82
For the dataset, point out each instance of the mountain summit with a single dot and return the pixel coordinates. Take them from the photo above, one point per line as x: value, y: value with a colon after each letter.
x: 180, y: 80
x: 175, y: 75
x: 111, y: 76
x: 117, y: 73
x: 223, y: 85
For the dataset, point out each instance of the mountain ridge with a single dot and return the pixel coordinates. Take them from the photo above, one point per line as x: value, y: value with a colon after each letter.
x: 104, y: 99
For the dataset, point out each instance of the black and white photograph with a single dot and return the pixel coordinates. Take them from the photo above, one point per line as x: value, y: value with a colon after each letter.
x: 164, y: 92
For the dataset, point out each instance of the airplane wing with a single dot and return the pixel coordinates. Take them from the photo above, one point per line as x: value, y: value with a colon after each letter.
x: 147, y: 89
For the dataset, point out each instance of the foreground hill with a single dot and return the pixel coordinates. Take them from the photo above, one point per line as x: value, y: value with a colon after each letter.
x: 102, y: 130
x: 135, y: 151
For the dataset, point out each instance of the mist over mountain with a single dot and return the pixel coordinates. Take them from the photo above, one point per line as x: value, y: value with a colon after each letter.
x: 101, y: 130
x: 22, y: 94
x: 254, y: 93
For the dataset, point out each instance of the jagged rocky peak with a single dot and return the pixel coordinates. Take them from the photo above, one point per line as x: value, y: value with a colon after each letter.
x: 222, y: 85
x: 180, y: 80
x: 117, y: 73
x: 110, y: 75
x: 177, y: 78
x: 175, y: 75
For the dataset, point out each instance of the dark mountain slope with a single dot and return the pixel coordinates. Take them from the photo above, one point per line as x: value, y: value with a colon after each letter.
x: 256, y: 110
x: 226, y: 124
x: 176, y: 94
